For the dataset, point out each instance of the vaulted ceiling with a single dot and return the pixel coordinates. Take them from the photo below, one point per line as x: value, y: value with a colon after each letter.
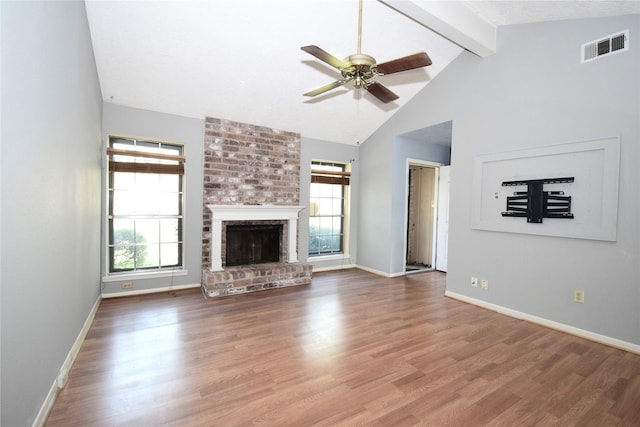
x: 241, y: 59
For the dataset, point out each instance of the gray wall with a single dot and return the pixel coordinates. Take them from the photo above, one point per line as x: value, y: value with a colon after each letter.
x: 405, y: 149
x: 533, y: 92
x: 119, y: 120
x: 383, y: 193
x: 375, y: 201
x: 313, y: 149
x: 51, y: 176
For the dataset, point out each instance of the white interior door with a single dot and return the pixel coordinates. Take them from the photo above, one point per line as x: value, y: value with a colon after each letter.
x: 442, y: 233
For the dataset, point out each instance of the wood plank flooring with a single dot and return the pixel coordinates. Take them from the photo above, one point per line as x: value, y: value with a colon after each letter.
x: 352, y: 348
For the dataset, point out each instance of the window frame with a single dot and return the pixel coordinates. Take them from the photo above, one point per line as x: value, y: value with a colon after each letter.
x: 341, y: 178
x: 156, y: 270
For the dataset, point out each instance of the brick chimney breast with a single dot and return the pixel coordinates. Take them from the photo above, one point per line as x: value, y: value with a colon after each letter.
x: 245, y: 164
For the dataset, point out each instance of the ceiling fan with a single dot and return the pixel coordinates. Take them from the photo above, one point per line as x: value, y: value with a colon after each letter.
x: 361, y: 68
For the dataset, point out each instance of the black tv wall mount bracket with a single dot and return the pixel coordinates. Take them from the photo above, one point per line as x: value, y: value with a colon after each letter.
x: 535, y: 204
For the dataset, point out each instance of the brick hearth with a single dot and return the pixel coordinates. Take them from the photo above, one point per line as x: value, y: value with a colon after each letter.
x: 251, y: 278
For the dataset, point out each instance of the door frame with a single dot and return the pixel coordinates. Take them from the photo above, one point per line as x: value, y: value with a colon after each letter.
x: 442, y: 236
x: 426, y: 164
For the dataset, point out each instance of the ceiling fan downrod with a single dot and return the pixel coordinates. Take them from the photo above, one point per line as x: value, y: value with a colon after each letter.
x: 359, y: 27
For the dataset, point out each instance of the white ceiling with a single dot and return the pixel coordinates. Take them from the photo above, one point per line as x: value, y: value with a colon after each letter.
x: 241, y: 60
x: 522, y: 12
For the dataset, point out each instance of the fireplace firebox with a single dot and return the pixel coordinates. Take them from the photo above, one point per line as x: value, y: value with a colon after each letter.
x: 220, y: 278
x: 253, y: 244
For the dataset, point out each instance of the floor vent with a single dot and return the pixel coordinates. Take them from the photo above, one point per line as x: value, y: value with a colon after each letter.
x: 614, y: 43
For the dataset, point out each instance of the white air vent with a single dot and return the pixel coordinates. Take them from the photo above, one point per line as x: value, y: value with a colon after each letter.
x: 609, y: 45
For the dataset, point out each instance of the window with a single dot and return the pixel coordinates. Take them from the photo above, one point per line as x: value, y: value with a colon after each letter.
x: 145, y: 205
x: 328, y: 207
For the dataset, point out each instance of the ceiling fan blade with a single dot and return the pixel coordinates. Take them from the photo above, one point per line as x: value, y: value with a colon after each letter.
x: 403, y: 64
x: 325, y: 56
x: 381, y: 92
x: 326, y: 88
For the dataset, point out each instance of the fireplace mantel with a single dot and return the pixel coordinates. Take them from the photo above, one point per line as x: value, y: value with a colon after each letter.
x: 221, y: 213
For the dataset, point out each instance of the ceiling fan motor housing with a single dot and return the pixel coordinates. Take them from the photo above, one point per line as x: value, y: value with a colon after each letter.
x: 360, y: 59
x: 360, y: 69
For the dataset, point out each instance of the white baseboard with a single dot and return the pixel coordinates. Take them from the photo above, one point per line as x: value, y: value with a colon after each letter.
x: 334, y: 267
x: 43, y: 413
x: 149, y: 291
x: 400, y: 274
x: 63, y: 373
x: 378, y: 272
x: 373, y: 270
x: 592, y: 336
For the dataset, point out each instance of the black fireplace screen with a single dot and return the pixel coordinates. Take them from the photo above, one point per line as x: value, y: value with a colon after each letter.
x: 253, y: 244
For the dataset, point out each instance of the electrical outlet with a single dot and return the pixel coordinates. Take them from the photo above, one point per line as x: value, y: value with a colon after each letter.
x: 484, y: 284
x: 578, y: 296
x: 127, y: 285
x: 474, y: 282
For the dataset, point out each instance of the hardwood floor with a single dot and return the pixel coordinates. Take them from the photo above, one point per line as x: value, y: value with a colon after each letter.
x: 352, y: 348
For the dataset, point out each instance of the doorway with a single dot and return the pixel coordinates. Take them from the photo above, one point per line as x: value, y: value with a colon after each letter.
x: 427, y: 217
x: 421, y: 193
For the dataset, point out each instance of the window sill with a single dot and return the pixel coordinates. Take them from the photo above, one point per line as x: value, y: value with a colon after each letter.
x: 329, y: 257
x: 119, y: 277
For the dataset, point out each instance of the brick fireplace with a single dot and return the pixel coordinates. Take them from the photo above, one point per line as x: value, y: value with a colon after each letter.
x: 251, y: 177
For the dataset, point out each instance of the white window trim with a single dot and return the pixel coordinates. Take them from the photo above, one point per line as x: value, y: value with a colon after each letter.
x: 346, y: 221
x: 119, y: 277
x: 175, y: 271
